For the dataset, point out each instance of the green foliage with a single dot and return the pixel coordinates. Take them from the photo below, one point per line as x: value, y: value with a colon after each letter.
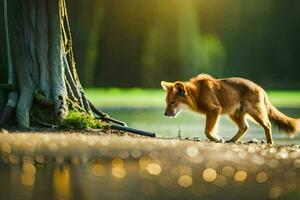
x: 167, y: 39
x: 79, y: 120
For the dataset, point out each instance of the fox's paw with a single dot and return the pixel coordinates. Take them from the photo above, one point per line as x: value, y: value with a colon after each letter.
x: 220, y: 140
x: 230, y: 141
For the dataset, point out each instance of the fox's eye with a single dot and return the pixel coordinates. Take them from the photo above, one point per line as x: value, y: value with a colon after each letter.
x: 172, y: 103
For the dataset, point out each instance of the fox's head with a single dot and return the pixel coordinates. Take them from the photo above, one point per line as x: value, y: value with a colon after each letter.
x: 177, y: 97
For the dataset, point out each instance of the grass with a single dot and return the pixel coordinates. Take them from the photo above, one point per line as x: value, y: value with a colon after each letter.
x: 285, y: 98
x: 134, y: 97
x: 137, y: 97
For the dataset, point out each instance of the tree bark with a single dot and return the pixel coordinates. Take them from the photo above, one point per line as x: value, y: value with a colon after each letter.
x: 56, y: 59
x: 39, y: 42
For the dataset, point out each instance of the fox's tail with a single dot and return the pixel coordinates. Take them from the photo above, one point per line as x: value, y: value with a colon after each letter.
x: 281, y: 121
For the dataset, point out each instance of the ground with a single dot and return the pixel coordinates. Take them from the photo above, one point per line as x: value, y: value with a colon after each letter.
x: 89, y: 165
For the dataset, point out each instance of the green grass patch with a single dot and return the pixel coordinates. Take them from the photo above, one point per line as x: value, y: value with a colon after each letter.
x: 285, y: 98
x: 78, y: 120
x: 137, y: 97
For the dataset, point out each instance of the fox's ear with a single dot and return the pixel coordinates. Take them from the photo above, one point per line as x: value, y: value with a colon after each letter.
x: 180, y: 88
x: 166, y: 85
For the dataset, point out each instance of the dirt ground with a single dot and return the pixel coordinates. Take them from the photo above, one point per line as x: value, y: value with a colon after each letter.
x: 93, y: 165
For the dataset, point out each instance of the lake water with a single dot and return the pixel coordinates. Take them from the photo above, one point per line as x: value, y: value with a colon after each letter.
x: 191, y: 125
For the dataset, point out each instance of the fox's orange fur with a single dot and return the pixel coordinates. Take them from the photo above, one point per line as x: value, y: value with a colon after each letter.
x: 236, y: 97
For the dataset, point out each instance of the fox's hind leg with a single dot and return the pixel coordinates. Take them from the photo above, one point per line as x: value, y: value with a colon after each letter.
x: 260, y: 115
x: 240, y: 120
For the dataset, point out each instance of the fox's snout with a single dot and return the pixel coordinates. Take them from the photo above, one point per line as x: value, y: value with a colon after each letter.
x: 171, y: 111
x: 169, y: 114
x: 166, y: 114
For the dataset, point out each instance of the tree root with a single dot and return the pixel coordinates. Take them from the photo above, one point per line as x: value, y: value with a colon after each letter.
x: 71, y: 82
x: 23, y: 73
x: 105, y: 117
x: 59, y: 92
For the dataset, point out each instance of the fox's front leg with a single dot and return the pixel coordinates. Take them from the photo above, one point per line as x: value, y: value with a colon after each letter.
x: 211, y: 120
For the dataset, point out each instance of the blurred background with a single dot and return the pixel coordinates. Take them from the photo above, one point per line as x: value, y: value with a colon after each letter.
x: 138, y: 43
x: 124, y: 48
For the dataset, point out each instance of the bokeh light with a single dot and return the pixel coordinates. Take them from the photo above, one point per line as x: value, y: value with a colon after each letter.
x: 185, y: 181
x: 118, y: 171
x: 192, y: 151
x: 273, y: 163
x: 154, y: 168
x: 296, y: 163
x: 220, y: 181
x: 209, y: 175
x: 29, y: 171
x: 27, y: 180
x: 62, y: 182
x: 117, y: 162
x: 228, y: 171
x: 240, y: 176
x: 144, y: 161
x: 97, y: 169
x: 261, y: 177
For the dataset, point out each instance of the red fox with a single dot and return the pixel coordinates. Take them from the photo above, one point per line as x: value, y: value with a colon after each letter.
x: 236, y: 97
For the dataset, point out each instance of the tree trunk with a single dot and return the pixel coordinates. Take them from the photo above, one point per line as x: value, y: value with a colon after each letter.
x: 41, y: 73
